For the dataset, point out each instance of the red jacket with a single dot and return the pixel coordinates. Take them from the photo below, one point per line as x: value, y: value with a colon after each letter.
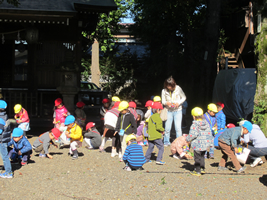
x: 22, y: 116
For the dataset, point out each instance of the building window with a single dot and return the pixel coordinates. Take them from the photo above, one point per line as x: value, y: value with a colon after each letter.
x: 21, y: 61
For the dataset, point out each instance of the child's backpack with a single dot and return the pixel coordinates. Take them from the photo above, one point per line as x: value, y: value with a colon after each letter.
x: 216, y: 138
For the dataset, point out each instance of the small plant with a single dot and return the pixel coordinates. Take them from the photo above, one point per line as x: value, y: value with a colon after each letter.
x: 163, y: 181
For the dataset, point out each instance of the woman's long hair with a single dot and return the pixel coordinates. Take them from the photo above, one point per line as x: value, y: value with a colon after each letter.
x: 169, y: 82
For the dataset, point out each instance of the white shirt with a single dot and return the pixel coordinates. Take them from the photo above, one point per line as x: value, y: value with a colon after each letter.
x: 177, y: 96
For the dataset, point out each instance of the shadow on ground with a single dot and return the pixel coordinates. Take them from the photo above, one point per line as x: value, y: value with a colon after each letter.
x: 263, y: 179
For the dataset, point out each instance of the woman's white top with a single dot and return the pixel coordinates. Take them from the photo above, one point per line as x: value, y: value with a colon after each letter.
x: 176, y: 96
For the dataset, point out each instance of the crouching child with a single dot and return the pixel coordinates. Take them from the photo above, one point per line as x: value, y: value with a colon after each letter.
x: 22, y: 148
x: 179, y: 148
x: 133, y: 157
x: 92, y: 137
x: 42, y: 143
x: 201, y: 138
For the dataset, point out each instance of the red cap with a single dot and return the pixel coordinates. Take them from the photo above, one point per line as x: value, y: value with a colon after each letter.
x: 56, y: 133
x: 105, y: 101
x: 58, y: 101
x: 132, y: 104
x: 230, y: 125
x: 220, y: 104
x: 157, y: 105
x: 149, y: 103
x: 80, y: 104
x: 116, y: 105
x: 90, y: 125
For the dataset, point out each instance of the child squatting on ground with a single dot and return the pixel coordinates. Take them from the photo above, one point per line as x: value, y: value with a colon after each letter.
x: 42, y: 143
x: 22, y: 148
x: 133, y: 157
x: 4, y: 139
x: 155, y: 132
x: 201, y: 138
x: 74, y: 132
x: 177, y: 148
x: 92, y: 137
x: 228, y: 142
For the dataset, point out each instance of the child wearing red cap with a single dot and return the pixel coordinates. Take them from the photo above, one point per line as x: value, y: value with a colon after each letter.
x: 60, y: 114
x: 80, y: 115
x: 220, y: 116
x: 42, y: 143
x: 148, y: 105
x: 92, y: 137
x: 132, y: 109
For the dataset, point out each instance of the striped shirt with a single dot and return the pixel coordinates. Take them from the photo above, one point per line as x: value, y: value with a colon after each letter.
x: 134, y: 155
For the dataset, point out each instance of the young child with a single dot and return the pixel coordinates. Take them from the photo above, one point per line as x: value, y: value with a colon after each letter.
x: 148, y: 105
x: 42, y: 143
x: 177, y: 148
x: 142, y: 133
x: 60, y: 114
x: 80, y: 114
x: 103, y: 111
x: 210, y: 118
x: 92, y: 137
x: 74, y: 132
x: 133, y: 157
x: 157, y: 99
x: 140, y: 116
x: 5, y: 136
x: 22, y: 118
x: 126, y: 124
x: 132, y: 108
x: 228, y: 142
x: 155, y: 132
x: 110, y: 122
x: 220, y: 116
x: 114, y: 100
x: 201, y: 138
x: 22, y: 148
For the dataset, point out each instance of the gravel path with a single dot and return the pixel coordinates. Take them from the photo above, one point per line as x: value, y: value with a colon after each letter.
x: 96, y: 175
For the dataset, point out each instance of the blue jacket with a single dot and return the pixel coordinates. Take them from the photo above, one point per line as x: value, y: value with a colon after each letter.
x: 23, y: 145
x: 6, y: 134
x: 231, y: 136
x: 134, y: 155
x: 200, y: 136
x: 221, y: 121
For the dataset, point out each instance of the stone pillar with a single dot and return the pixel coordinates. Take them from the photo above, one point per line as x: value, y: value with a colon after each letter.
x: 68, y: 88
x: 95, y: 63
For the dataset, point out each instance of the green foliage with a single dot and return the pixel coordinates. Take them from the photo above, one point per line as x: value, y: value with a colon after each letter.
x: 163, y: 181
x: 221, y: 43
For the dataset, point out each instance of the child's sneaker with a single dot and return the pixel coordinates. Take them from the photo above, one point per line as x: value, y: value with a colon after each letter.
x: 23, y: 163
x: 42, y: 155
x: 242, y: 169
x: 127, y: 168
x: 175, y: 156
x: 160, y: 163
x: 220, y: 168
x: 74, y: 157
x: 202, y: 171
x: 6, y: 175
x: 148, y: 161
x: 120, y: 154
x: 256, y: 162
x: 211, y: 156
x: 141, y: 143
x: 195, y: 173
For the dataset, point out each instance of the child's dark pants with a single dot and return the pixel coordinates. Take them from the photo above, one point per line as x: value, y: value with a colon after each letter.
x: 24, y: 157
x: 199, y: 160
x: 132, y: 167
x: 151, y: 144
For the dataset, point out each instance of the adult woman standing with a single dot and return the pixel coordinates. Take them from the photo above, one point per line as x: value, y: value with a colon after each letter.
x: 172, y: 97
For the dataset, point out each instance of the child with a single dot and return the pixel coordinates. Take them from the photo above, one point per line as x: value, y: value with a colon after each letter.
x: 60, y: 114
x: 142, y: 133
x: 155, y: 132
x: 133, y: 156
x: 22, y: 148
x: 114, y: 100
x: 110, y: 122
x: 148, y: 105
x: 22, y: 118
x: 103, y: 111
x: 201, y: 138
x: 126, y: 124
x: 157, y: 99
x: 132, y: 108
x: 4, y: 139
x: 220, y: 116
x: 80, y: 114
x: 140, y: 116
x: 228, y: 142
x: 74, y: 132
x: 42, y: 143
x: 210, y: 118
x: 177, y: 148
x: 92, y: 137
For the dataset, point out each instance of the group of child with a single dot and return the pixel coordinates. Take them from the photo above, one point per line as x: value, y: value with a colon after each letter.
x: 129, y: 129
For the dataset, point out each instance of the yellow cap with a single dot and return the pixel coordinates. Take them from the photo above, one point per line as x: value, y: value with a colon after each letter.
x: 123, y: 105
x: 17, y: 108
x: 197, y: 111
x: 212, y: 107
x: 130, y: 137
x: 115, y: 98
x: 157, y: 99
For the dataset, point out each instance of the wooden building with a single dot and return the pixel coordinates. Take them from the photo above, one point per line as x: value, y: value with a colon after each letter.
x: 40, y: 50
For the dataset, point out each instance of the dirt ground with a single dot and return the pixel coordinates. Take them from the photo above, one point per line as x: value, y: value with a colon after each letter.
x: 96, y: 175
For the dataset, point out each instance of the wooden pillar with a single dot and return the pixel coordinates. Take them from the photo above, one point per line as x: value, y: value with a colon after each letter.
x: 95, y: 71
